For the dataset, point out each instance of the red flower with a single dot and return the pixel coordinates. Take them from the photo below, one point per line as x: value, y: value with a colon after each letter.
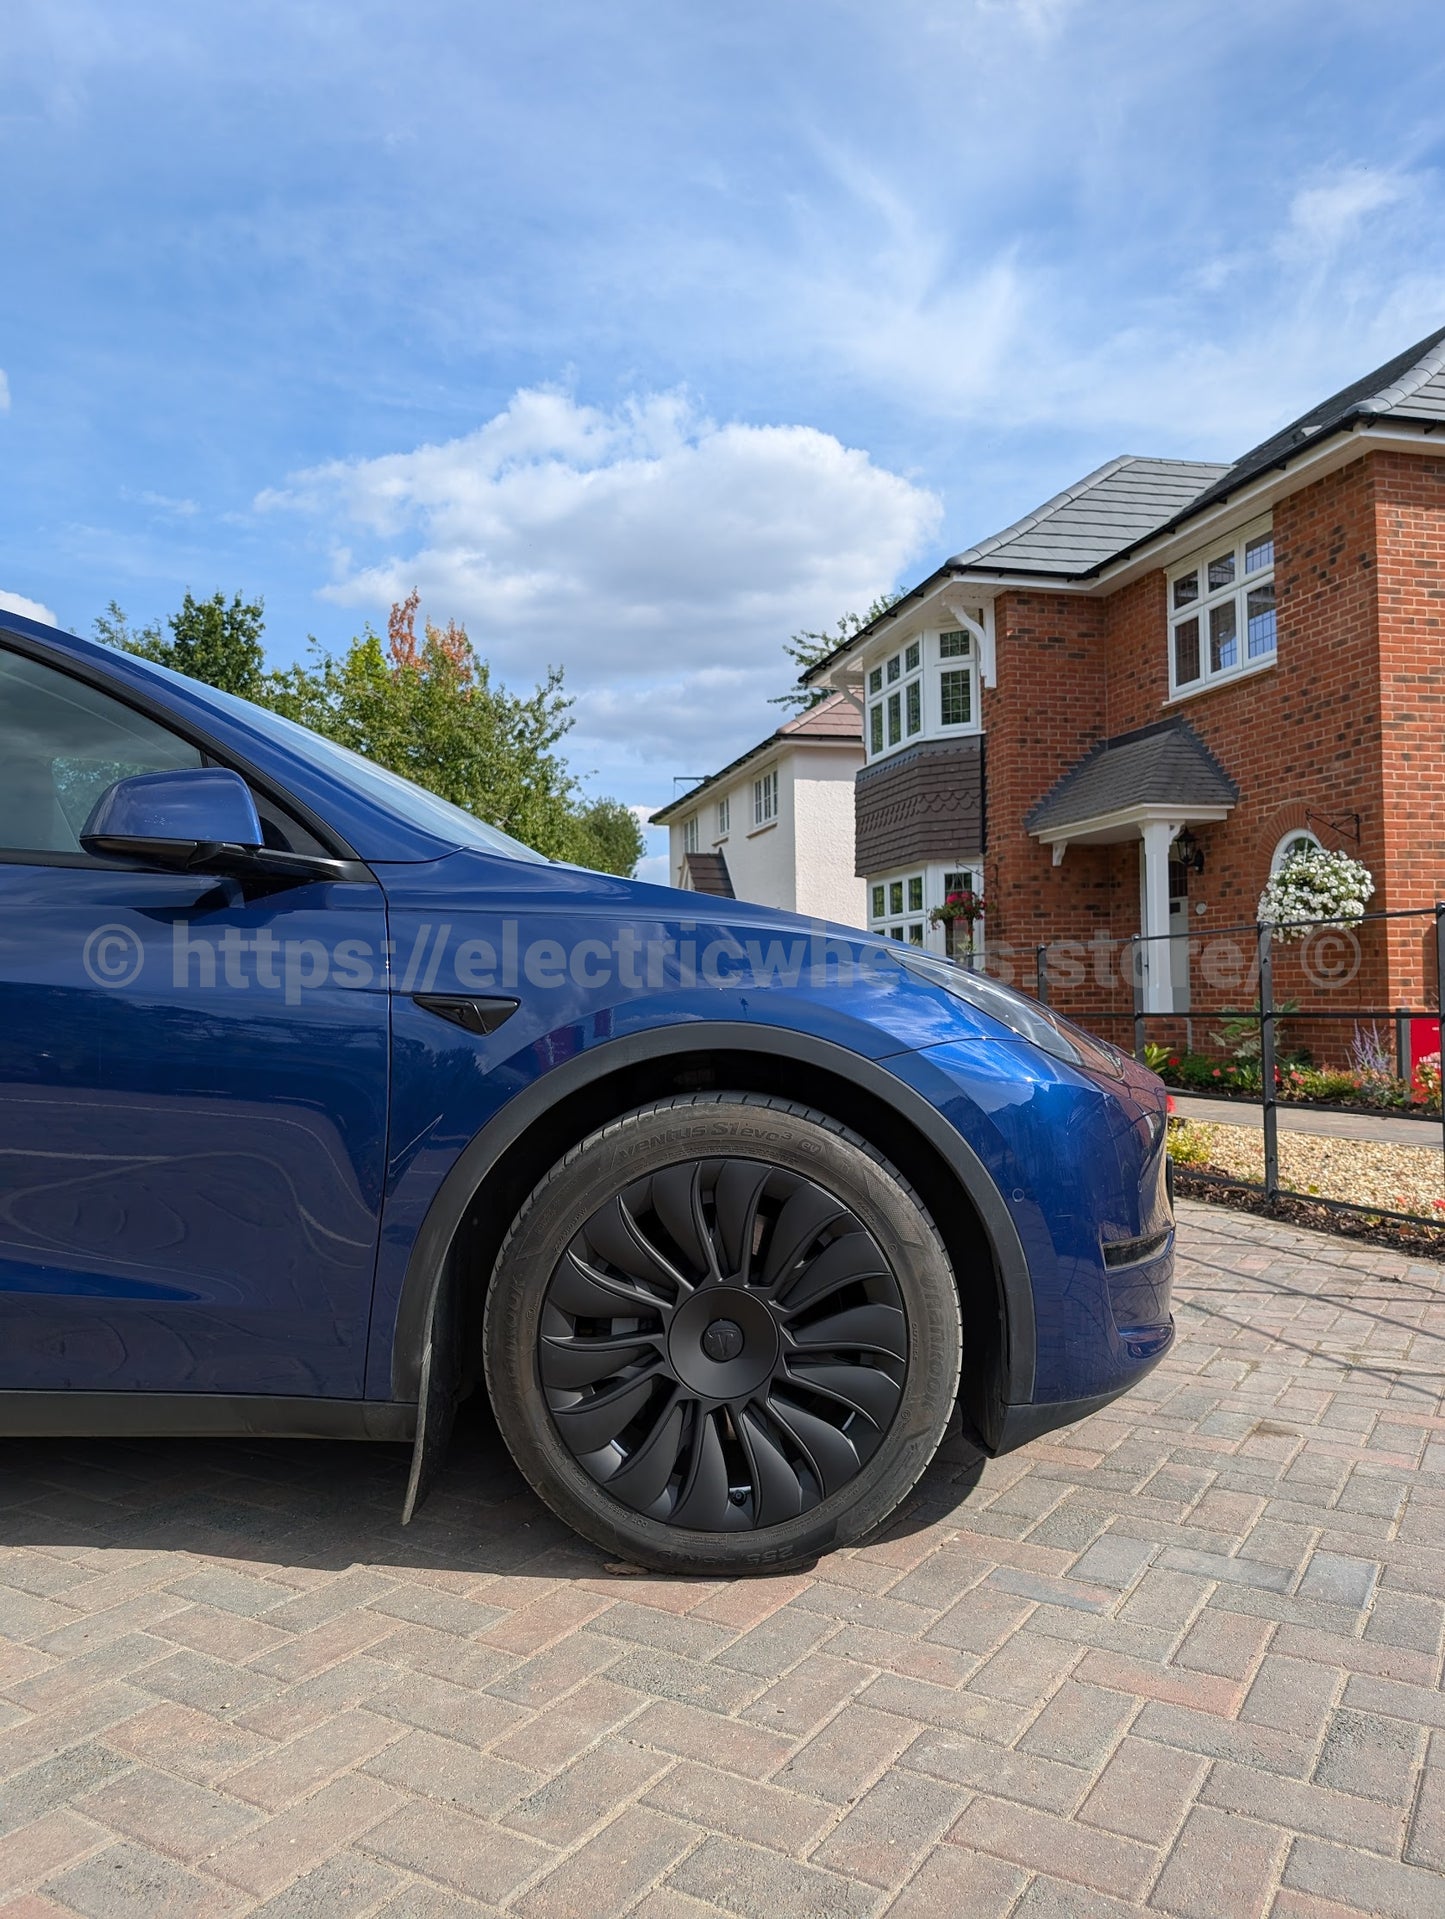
x: 1215, y: 1074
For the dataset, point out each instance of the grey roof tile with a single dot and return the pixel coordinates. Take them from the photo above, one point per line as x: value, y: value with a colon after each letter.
x: 1166, y: 764
x: 1121, y: 502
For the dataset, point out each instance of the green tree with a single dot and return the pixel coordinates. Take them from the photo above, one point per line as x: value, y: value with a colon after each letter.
x: 209, y: 640
x: 608, y: 837
x: 807, y: 648
x: 422, y: 705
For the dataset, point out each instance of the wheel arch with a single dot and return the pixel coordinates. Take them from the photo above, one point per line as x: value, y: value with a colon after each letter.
x: 493, y: 1174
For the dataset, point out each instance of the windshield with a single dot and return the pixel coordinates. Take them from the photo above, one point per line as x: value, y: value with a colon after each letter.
x: 389, y: 790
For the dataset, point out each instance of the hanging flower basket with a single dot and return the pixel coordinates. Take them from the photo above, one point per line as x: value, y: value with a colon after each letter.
x: 965, y: 906
x: 1313, y: 885
x: 959, y: 912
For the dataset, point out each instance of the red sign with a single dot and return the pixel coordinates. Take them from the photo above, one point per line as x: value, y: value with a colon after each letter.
x: 1424, y: 1038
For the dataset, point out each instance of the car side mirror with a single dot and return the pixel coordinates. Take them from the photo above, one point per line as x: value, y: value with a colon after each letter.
x: 184, y: 819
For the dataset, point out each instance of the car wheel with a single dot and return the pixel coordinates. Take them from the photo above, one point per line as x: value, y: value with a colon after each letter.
x: 723, y: 1336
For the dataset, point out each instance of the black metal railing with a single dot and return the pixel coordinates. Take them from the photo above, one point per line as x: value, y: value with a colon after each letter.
x: 1267, y: 1013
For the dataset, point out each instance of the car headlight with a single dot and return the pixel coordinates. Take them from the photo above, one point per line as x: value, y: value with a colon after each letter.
x: 1022, y: 1015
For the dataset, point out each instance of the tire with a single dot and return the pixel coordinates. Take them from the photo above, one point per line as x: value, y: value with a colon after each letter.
x: 722, y: 1336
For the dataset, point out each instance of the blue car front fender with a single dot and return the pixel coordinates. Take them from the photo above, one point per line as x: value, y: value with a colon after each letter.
x: 409, y: 1310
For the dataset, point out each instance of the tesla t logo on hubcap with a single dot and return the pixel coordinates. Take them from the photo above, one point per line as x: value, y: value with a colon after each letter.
x: 723, y: 1340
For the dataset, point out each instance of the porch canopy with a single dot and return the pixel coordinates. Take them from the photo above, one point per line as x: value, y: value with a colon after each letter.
x: 1147, y: 785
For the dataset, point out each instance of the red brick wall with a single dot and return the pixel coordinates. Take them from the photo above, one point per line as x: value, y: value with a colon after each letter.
x: 1047, y: 709
x: 1410, y: 540
x: 1137, y: 663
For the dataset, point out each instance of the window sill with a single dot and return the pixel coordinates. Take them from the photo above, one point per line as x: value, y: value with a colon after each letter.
x: 766, y: 827
x: 1221, y: 681
x: 942, y: 737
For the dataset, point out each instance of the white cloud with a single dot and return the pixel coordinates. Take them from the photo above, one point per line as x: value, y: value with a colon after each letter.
x: 658, y: 556
x: 164, y: 503
x: 31, y: 609
x: 4, y: 392
x: 656, y: 868
x: 1329, y: 212
x: 1206, y: 363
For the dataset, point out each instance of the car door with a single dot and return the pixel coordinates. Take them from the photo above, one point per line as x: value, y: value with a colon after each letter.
x: 193, y: 1087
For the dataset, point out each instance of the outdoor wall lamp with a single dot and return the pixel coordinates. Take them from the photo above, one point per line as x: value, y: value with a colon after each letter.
x: 1189, y: 853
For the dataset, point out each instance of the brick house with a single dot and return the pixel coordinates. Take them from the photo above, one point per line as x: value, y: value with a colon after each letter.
x: 1170, y: 655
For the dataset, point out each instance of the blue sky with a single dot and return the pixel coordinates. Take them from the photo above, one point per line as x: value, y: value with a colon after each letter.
x: 639, y: 335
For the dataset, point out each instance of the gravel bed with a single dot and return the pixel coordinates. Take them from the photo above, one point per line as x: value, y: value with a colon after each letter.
x: 1406, y: 1179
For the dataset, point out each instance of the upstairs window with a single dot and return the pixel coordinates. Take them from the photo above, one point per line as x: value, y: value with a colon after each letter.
x: 895, y: 699
x: 928, y: 687
x: 1222, y: 611
x: 765, y: 798
x: 689, y: 833
x: 956, y: 691
x: 724, y: 815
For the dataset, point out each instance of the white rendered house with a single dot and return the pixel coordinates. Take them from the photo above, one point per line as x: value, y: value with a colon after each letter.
x: 776, y: 825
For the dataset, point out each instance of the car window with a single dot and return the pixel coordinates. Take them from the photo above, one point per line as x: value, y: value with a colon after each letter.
x: 62, y: 743
x: 399, y: 796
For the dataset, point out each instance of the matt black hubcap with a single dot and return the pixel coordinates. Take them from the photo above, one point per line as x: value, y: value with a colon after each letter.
x: 723, y: 1345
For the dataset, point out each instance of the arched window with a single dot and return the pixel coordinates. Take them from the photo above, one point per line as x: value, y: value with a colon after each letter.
x: 1298, y: 841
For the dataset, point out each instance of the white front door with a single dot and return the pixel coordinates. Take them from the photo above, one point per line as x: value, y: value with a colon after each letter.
x: 1179, y: 947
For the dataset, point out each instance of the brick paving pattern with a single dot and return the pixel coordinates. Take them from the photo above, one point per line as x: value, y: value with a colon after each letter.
x: 1184, y: 1658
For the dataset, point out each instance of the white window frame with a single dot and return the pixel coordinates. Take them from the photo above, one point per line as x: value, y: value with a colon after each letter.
x: 910, y: 923
x: 1235, y: 592
x: 889, y: 682
x: 724, y: 816
x: 765, y: 799
x: 1289, y: 844
x: 964, y: 661
x: 926, y: 676
x: 689, y: 833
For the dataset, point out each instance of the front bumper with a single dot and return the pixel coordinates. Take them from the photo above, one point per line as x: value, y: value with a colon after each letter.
x: 1080, y: 1161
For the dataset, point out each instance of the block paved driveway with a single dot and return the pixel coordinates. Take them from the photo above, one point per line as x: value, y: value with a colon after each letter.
x: 1184, y: 1658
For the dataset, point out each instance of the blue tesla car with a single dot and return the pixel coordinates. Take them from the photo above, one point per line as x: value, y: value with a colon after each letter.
x: 323, y: 1105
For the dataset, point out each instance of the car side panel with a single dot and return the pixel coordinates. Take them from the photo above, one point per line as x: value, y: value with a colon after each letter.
x: 191, y: 1160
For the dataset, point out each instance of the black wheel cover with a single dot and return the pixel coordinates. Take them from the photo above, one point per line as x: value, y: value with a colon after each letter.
x: 723, y: 1345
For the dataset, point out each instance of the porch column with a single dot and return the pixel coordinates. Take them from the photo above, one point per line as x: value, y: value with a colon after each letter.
x: 1158, y: 837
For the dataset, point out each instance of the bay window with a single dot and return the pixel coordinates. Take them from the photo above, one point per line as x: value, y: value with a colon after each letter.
x: 895, y: 699
x: 928, y: 687
x: 899, y: 904
x: 955, y: 679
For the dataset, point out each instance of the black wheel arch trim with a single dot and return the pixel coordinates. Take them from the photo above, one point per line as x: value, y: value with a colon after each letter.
x: 1021, y: 1425
x: 448, y: 1209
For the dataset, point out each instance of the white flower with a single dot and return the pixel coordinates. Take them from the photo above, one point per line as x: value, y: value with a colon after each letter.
x: 1313, y: 885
